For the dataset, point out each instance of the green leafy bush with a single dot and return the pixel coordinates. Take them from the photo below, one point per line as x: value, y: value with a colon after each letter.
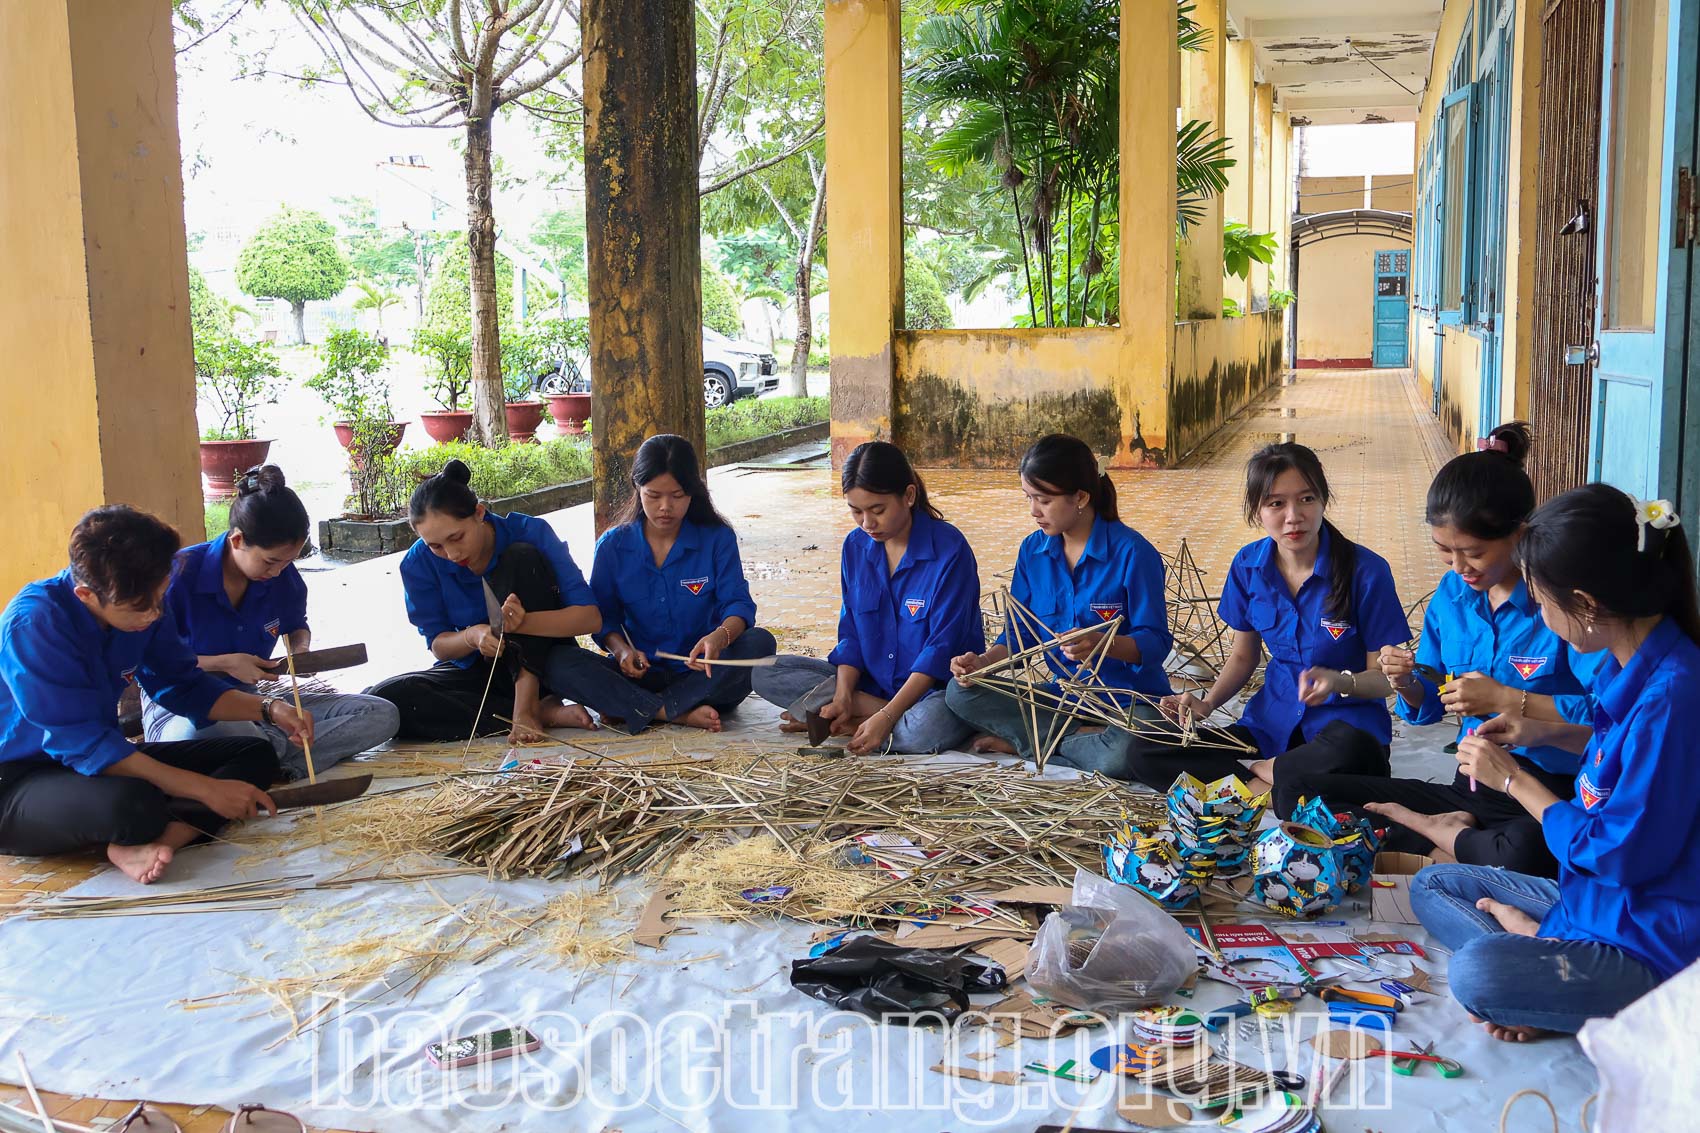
x: 1241, y: 247
x: 449, y: 353
x: 924, y: 304
x: 209, y: 316
x: 235, y: 377
x: 753, y: 417
x: 497, y: 472
x: 294, y: 257
x: 349, y: 381
x: 720, y: 304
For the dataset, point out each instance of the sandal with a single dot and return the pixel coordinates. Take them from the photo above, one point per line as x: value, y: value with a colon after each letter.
x: 260, y: 1119
x: 146, y: 1119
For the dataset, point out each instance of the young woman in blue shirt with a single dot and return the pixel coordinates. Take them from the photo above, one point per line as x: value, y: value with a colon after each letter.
x: 1324, y: 607
x: 668, y: 579
x: 911, y: 602
x: 1529, y: 954
x: 69, y: 780
x: 1483, y: 626
x: 231, y: 599
x: 1081, y: 569
x: 488, y: 590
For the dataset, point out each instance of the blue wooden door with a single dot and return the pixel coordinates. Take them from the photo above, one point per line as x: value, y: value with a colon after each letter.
x: 1392, y: 300
x: 1641, y: 292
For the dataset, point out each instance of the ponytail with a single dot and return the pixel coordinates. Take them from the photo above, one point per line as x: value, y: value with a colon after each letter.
x: 1486, y: 493
x: 1065, y: 465
x: 1589, y: 540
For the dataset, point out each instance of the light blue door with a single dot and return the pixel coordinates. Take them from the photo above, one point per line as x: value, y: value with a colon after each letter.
x: 1641, y: 293
x: 1392, y: 300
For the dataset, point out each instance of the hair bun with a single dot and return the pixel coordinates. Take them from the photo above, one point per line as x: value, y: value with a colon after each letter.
x: 1513, y: 441
x: 260, y: 478
x: 457, y: 472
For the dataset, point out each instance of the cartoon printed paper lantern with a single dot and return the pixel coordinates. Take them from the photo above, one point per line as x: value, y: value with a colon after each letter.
x: 1354, y: 840
x: 1149, y: 861
x: 1213, y: 823
x: 1296, y: 870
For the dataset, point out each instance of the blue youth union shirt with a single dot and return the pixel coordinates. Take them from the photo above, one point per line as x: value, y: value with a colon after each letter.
x: 913, y: 619
x: 1118, y: 574
x: 443, y: 596
x: 62, y: 672
x: 1463, y: 634
x: 201, y: 611
x: 1299, y: 634
x: 672, y: 606
x: 1628, y: 844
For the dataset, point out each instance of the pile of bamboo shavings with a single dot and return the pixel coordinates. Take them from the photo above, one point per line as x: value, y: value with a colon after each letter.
x: 747, y: 878
x: 578, y: 929
x: 983, y: 826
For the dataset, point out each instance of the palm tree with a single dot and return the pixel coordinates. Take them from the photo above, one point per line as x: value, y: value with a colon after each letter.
x: 375, y: 299
x: 1031, y: 89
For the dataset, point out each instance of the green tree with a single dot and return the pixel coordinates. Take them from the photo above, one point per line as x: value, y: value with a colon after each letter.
x: 449, y: 353
x: 448, y: 303
x: 454, y: 65
x: 375, y: 298
x: 235, y: 378
x: 559, y: 235
x: 720, y: 303
x: 924, y: 304
x: 294, y: 257
x: 209, y: 315
x: 351, y: 376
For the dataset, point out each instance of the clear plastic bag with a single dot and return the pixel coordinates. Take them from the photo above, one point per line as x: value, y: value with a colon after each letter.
x: 1112, y: 950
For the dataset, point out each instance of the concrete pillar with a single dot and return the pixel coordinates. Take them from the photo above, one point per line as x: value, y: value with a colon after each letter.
x: 1147, y: 228
x: 1202, y: 72
x: 1237, y: 122
x: 864, y: 215
x: 1521, y: 209
x: 1263, y: 108
x: 99, y: 397
x: 643, y: 250
x: 1280, y: 195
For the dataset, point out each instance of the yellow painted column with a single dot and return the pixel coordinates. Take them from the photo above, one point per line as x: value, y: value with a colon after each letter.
x: 1147, y: 230
x: 1280, y: 195
x: 1523, y: 146
x: 99, y: 401
x: 1263, y: 107
x: 1199, y: 287
x: 864, y: 214
x: 1237, y: 121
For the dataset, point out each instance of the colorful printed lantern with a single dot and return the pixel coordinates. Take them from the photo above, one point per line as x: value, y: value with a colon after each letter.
x: 1148, y: 861
x: 1354, y: 840
x: 1213, y: 823
x: 1296, y: 870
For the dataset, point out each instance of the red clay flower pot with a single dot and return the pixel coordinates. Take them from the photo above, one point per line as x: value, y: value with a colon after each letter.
x: 570, y: 411
x: 523, y: 419
x: 447, y: 425
x: 345, y: 437
x: 223, y: 461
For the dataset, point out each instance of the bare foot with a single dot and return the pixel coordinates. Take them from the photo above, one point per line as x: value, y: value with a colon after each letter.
x: 568, y: 716
x: 1510, y: 917
x: 787, y: 724
x: 1263, y: 769
x: 702, y: 716
x: 145, y: 863
x: 1260, y: 786
x: 526, y: 727
x: 1507, y: 1034
x: 1440, y: 829
x: 990, y: 745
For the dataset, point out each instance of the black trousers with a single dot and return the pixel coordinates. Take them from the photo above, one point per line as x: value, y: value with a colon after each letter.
x: 662, y: 692
x: 1506, y: 834
x: 439, y: 703
x: 1338, y: 748
x: 47, y: 808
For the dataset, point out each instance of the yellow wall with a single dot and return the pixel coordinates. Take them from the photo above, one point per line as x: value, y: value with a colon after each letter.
x: 1460, y: 386
x: 99, y: 404
x: 1330, y: 194
x: 1280, y: 197
x: 1523, y: 154
x: 1263, y: 96
x: 1221, y: 365
x: 1337, y: 298
x: 1237, y: 116
x: 1423, y: 331
x: 1199, y: 287
x: 1392, y: 192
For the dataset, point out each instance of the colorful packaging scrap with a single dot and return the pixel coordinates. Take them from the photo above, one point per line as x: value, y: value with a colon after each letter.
x: 1213, y: 823
x: 1277, y: 1113
x: 1149, y: 861
x: 1170, y: 1026
x: 1354, y: 840
x: 1295, y: 870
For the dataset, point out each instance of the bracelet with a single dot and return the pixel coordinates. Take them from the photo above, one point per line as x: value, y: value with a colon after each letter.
x: 266, y: 703
x: 727, y: 632
x: 1506, y: 790
x: 1523, y: 705
x: 1353, y: 678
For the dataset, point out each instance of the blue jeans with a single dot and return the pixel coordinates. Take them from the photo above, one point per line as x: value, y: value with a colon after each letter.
x: 1521, y: 981
x: 1109, y: 752
x: 663, y: 693
x: 808, y: 682
x: 344, y: 724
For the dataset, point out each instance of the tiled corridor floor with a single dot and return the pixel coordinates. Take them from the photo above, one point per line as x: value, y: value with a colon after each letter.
x: 1379, y: 447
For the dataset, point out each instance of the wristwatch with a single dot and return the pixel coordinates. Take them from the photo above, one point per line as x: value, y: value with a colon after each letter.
x: 266, y: 703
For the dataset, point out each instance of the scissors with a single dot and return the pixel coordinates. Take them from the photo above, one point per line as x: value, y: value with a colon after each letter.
x: 1407, y: 1062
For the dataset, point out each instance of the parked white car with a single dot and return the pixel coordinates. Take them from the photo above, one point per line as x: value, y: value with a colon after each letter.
x: 731, y: 368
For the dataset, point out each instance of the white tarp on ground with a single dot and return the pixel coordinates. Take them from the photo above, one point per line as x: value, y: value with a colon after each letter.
x: 705, y: 1034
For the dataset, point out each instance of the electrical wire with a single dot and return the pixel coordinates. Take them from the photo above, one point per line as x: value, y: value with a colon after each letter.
x: 1350, y: 46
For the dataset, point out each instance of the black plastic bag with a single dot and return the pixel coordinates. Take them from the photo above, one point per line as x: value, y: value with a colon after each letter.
x: 889, y: 982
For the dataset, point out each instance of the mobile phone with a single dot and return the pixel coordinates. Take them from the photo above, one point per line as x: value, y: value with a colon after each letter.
x: 487, y: 1047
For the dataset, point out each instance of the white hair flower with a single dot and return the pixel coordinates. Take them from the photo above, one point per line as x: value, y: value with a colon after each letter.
x: 1657, y: 514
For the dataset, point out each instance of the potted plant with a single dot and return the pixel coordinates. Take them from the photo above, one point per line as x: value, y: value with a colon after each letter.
x: 521, y: 362
x: 359, y: 397
x: 565, y: 342
x: 450, y: 354
x: 234, y: 377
